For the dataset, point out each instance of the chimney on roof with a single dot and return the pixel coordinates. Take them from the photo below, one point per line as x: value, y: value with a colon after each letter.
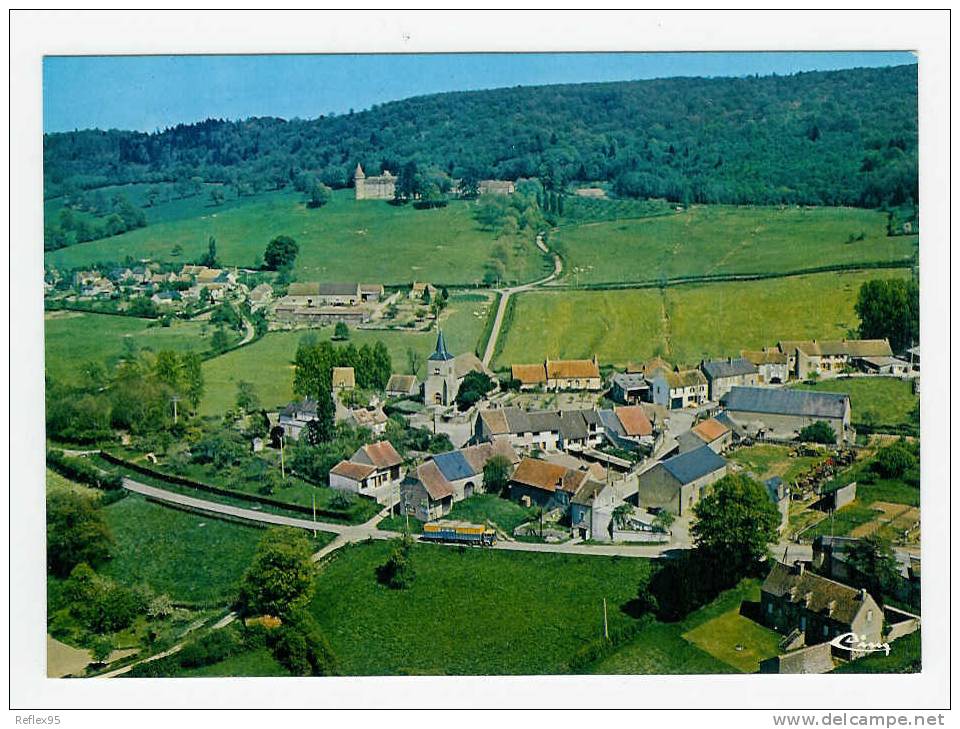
x: 863, y: 594
x: 798, y: 566
x: 807, y: 597
x: 831, y: 606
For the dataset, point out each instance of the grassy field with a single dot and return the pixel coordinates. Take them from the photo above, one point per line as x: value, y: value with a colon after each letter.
x: 904, y: 658
x: 843, y: 521
x: 469, y: 612
x: 884, y: 400
x: 674, y: 648
x: 683, y: 323
x: 478, y: 509
x: 268, y: 363
x: 345, y: 240
x: 191, y: 558
x: 257, y: 662
x: 57, y: 484
x: 767, y: 461
x: 725, y: 634
x: 719, y: 239
x: 73, y: 339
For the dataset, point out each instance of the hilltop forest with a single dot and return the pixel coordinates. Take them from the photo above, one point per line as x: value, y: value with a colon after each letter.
x: 822, y: 138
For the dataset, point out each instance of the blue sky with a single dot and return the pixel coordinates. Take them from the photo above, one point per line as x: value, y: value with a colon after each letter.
x: 153, y: 92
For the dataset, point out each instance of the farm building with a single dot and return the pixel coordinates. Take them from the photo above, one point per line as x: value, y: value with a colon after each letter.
x: 496, y: 187
x: 445, y: 373
x: 831, y: 558
x: 402, y: 386
x: 559, y: 374
x: 372, y: 418
x: 591, y: 510
x: 548, y: 485
x: 676, y: 389
x: 882, y: 365
x: 573, y: 430
x: 780, y: 414
x: 795, y: 598
x: 320, y: 316
x: 829, y: 358
x: 429, y: 492
x: 723, y: 374
x: 772, y: 365
x: 678, y: 483
x: 260, y: 296
x: 629, y: 388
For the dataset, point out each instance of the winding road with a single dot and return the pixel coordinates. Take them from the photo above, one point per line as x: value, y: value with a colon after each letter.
x: 506, y: 293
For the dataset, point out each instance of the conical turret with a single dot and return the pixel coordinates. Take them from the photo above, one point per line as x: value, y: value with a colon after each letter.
x: 441, y: 353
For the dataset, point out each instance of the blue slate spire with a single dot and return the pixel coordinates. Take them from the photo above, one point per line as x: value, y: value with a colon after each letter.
x: 441, y: 352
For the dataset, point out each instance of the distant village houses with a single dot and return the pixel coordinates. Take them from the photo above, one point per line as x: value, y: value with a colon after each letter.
x: 560, y: 374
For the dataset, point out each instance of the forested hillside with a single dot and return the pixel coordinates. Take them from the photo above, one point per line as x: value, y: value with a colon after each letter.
x: 845, y: 137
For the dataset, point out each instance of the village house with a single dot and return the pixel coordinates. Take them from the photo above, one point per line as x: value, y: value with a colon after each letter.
x: 677, y: 389
x: 378, y: 483
x: 829, y: 358
x: 780, y: 414
x: 374, y: 187
x: 166, y: 298
x: 260, y: 296
x: 570, y: 430
x: 831, y: 558
x: 445, y: 373
x: 496, y: 187
x: 678, y: 483
x: 370, y: 292
x: 793, y: 598
x: 629, y: 388
x: 419, y: 288
x: 98, y: 287
x: 628, y: 427
x: 723, y: 374
x: 402, y: 386
x: 343, y: 378
x: 315, y: 294
x: 446, y: 478
x: 374, y: 419
x: 591, y: 510
x: 295, y: 416
x: 547, y: 485
x: 711, y: 433
x: 559, y: 374
x: 772, y: 365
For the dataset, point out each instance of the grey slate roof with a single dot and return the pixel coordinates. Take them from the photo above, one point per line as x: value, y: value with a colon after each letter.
x: 572, y: 425
x: 611, y: 422
x: 728, y: 368
x: 630, y: 381
x: 832, y: 599
x: 453, y: 465
x: 785, y: 402
x: 690, y: 466
x: 440, y: 354
x: 337, y: 289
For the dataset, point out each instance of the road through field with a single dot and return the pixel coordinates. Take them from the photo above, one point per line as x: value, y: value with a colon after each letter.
x: 505, y: 296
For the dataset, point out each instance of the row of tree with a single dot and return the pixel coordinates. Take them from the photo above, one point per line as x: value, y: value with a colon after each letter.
x: 823, y: 138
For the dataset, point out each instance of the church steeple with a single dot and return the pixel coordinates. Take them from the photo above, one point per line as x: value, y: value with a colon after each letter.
x: 441, y: 353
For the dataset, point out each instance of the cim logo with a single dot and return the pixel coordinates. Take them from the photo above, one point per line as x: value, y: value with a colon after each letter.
x: 854, y: 642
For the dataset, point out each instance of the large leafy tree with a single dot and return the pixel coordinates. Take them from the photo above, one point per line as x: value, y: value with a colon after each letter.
x: 281, y: 252
x: 874, y: 560
x: 279, y: 579
x: 736, y: 523
x: 890, y: 309
x: 496, y: 475
x: 76, y: 533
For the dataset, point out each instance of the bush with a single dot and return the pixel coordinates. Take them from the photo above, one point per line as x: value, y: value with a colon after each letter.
x: 301, y: 647
x: 209, y: 649
x: 818, y: 432
x: 397, y: 572
x: 83, y: 471
x: 893, y: 461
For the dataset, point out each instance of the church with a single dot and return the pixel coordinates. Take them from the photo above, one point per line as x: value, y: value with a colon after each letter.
x: 445, y: 373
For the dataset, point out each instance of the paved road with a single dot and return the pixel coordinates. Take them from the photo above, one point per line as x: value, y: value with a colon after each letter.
x: 347, y: 534
x: 505, y: 296
x: 251, y: 332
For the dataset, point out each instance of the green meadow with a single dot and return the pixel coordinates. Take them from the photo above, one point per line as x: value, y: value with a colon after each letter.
x: 346, y: 240
x: 720, y: 239
x: 190, y: 557
x: 471, y: 611
x: 877, y: 400
x: 682, y: 323
x: 73, y: 339
x: 268, y: 362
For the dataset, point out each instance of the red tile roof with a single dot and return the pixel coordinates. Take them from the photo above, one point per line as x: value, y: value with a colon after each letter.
x: 382, y: 454
x: 709, y: 430
x: 353, y: 471
x: 634, y: 420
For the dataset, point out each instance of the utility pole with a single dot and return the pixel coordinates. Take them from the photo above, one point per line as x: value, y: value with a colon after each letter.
x: 283, y: 472
x: 314, y: 497
x: 175, y: 399
x: 606, y: 632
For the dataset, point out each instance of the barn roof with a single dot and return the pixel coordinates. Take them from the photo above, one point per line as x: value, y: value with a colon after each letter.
x: 694, y: 464
x: 786, y: 402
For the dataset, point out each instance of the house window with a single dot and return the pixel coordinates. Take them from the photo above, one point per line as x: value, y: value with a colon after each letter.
x: 826, y: 631
x: 769, y: 608
x: 803, y: 623
x: 869, y: 616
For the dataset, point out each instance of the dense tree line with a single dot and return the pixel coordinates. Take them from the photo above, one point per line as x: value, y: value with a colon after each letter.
x: 841, y: 137
x: 890, y: 309
x: 90, y: 216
